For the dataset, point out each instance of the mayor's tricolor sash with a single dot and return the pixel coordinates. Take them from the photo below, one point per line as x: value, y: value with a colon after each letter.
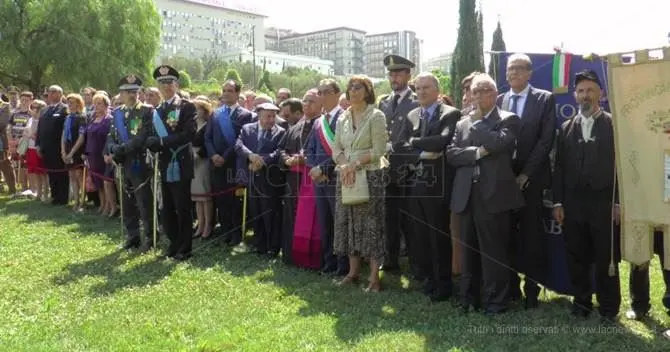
x: 226, y: 124
x: 326, y: 135
x: 173, y: 172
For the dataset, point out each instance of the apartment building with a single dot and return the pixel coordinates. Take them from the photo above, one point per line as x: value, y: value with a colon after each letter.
x: 196, y: 28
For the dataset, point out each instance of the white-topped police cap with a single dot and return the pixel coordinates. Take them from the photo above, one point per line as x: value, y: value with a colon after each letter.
x: 267, y: 106
x: 166, y: 74
x: 130, y: 83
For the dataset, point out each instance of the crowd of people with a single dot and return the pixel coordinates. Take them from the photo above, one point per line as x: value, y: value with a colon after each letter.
x: 341, y: 178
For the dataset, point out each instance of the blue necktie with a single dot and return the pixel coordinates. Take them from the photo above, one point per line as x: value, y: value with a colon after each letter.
x: 514, y: 107
x: 261, y: 141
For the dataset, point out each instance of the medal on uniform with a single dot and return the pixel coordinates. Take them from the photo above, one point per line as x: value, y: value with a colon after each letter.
x: 134, y: 126
x: 172, y: 118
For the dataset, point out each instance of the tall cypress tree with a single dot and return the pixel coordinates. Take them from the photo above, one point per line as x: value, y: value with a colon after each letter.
x: 497, y: 45
x: 468, y: 55
x: 480, y: 39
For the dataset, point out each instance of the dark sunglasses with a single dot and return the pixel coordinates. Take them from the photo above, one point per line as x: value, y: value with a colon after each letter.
x: 356, y: 86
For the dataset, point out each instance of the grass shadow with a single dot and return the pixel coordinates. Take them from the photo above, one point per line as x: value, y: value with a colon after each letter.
x: 400, y: 310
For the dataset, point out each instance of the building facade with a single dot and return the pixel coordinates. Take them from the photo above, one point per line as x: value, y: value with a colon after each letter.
x: 343, y: 46
x: 197, y: 28
x: 403, y: 43
x: 442, y: 63
x: 276, y: 62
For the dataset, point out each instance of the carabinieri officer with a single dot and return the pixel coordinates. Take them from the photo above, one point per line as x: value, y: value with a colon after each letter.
x: 130, y: 126
x: 172, y: 133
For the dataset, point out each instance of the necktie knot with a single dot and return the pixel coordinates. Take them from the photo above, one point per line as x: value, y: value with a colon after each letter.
x: 396, y: 98
x: 425, y: 115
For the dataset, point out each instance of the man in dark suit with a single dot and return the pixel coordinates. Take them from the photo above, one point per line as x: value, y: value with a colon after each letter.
x: 396, y: 106
x: 537, y: 110
x: 586, y: 200
x: 484, y: 194
x: 257, y: 146
x: 131, y: 125
x: 320, y: 159
x: 220, y: 138
x: 291, y: 111
x: 48, y: 145
x: 172, y: 134
x: 433, y: 129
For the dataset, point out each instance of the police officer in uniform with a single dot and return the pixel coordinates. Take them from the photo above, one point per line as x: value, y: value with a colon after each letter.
x: 171, y: 137
x: 396, y: 106
x: 131, y: 125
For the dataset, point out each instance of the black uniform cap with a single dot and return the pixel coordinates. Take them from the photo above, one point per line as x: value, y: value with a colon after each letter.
x: 165, y: 74
x: 587, y: 75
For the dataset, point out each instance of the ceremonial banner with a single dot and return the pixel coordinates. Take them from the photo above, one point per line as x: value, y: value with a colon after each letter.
x: 640, y: 99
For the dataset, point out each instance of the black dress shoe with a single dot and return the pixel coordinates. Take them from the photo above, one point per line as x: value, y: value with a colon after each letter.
x: 440, y: 296
x: 390, y: 268
x: 180, y: 257
x: 130, y: 245
x: 608, y: 320
x: 328, y: 270
x: 340, y: 272
x: 579, y: 311
x: 429, y: 287
x: 530, y: 303
x: 146, y: 247
x: 633, y: 315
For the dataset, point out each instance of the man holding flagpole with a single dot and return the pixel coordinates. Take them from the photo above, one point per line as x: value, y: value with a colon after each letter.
x: 173, y: 130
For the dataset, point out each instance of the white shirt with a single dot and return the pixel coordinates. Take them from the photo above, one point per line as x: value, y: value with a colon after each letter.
x: 403, y: 94
x: 171, y: 100
x: 332, y: 113
x: 521, y: 101
x: 587, y: 127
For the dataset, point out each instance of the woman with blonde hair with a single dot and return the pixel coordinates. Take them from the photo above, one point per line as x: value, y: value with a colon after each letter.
x: 96, y: 139
x: 359, y: 146
x: 72, y: 145
x: 201, y: 184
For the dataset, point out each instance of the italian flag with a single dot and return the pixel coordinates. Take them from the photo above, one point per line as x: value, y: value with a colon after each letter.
x: 561, y: 74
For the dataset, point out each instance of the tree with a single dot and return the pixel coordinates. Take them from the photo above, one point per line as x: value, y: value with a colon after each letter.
x: 234, y: 75
x: 497, y: 46
x: 480, y: 38
x: 468, y: 55
x: 184, y: 79
x: 453, y: 84
x: 194, y: 67
x: 445, y: 81
x: 45, y: 41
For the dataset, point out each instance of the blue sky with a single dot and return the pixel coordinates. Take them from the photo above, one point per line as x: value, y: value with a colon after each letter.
x: 583, y: 26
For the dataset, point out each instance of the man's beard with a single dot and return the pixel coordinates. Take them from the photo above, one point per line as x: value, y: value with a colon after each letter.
x: 586, y: 108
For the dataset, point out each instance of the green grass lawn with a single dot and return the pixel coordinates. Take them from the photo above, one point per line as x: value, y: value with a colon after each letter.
x: 64, y: 286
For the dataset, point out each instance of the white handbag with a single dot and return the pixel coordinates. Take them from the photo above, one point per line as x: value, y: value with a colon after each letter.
x: 359, y: 192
